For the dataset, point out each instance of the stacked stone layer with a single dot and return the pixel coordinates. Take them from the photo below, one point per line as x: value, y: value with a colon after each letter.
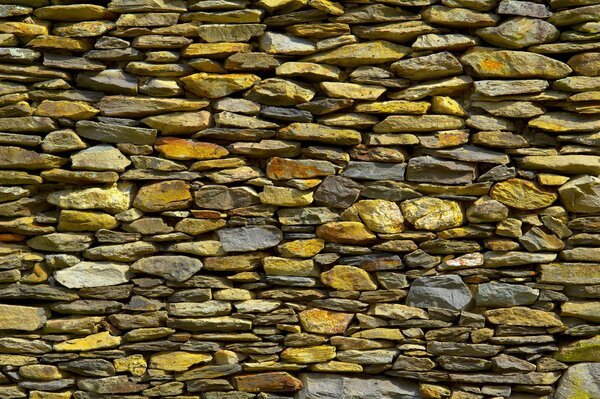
x: 235, y: 199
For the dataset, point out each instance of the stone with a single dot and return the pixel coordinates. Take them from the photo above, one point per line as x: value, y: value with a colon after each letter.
x: 565, y: 122
x: 275, y: 91
x: 61, y: 242
x: 183, y: 149
x: 93, y: 274
x: 172, y: 268
x: 579, y: 379
x: 447, y: 292
x: 324, y: 321
x: 583, y: 350
x: 209, y: 85
x: 337, y: 192
x: 224, y: 198
x: 581, y: 309
x: 179, y: 122
x: 353, y: 55
x: 580, y: 195
x: 585, y: 64
x: 309, y: 354
x: 137, y: 106
x: 432, y: 213
x: 163, y: 196
x: 110, y: 81
x: 348, y: 278
x: 538, y: 240
x: 375, y: 171
x: 319, y: 133
x: 353, y: 233
x: 568, y: 164
x: 522, y: 194
x: 519, y: 32
x: 321, y: 385
x: 422, y: 123
x: 268, y: 382
x: 18, y: 158
x: 70, y: 220
x: 251, y: 238
x: 430, y: 169
x: 285, y: 169
x: 66, y: 109
x: 23, y: 318
x: 110, y: 133
x: 491, y: 63
x: 497, y: 295
x: 100, y: 157
x: 102, y: 340
x: 177, y: 361
x: 428, y: 67
x: 522, y: 316
x: 285, y: 196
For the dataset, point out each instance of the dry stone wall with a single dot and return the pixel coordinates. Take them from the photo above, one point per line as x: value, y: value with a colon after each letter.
x: 236, y: 199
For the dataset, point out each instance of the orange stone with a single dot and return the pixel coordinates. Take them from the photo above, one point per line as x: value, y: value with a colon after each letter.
x: 182, y: 149
x: 163, y: 196
x: 11, y: 237
x: 353, y: 233
x: 324, y: 321
x: 285, y: 169
x: 277, y: 381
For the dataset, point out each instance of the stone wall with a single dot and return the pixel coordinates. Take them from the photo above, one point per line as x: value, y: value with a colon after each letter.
x: 236, y: 199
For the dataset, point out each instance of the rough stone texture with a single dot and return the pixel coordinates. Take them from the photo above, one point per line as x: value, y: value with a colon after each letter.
x: 267, y: 199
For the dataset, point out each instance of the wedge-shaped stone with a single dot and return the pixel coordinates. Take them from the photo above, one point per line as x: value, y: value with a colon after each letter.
x: 420, y: 123
x: 210, y: 85
x: 398, y: 312
x: 102, y: 340
x: 179, y: 122
x: 66, y: 109
x: 125, y: 106
x: 224, y: 198
x: 319, y: 133
x: 285, y: 169
x: 521, y: 316
x: 368, y: 53
x: 23, y: 28
x: 490, y: 63
x: 523, y: 194
x: 114, y: 199
x: 93, y: 274
x: 576, y: 16
x: 24, y: 318
x: 441, y: 87
x: 279, y: 43
x: 280, y: 92
x: 110, y: 133
x: 428, y: 67
x: 565, y: 122
x: 19, y: 158
x: 182, y: 149
x: 100, y: 157
x: 172, y: 268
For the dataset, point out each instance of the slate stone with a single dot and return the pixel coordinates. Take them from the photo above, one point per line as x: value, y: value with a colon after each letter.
x: 317, y: 385
x: 337, y: 192
x: 496, y: 294
x: 251, y: 238
x: 172, y: 268
x: 448, y: 291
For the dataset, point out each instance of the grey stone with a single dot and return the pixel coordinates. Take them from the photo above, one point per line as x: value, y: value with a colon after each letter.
x: 337, y: 192
x: 579, y: 381
x: 100, y: 157
x: 110, y: 133
x: 375, y: 171
x: 171, y: 267
x: 251, y: 238
x: 447, y: 291
x: 225, y: 198
x: 581, y: 195
x: 109, y: 81
x: 327, y: 386
x: 430, y: 169
x: 93, y: 274
x: 500, y: 295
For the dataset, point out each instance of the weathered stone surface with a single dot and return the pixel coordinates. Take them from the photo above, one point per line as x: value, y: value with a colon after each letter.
x: 432, y: 213
x: 24, y: 318
x: 494, y: 295
x: 579, y: 380
x: 447, y: 292
x: 522, y: 194
x: 249, y: 238
x: 93, y: 274
x: 317, y: 385
x: 521, y: 316
x: 163, y: 196
x: 172, y: 268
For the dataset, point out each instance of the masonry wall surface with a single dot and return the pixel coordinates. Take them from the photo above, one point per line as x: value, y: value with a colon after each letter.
x: 236, y: 199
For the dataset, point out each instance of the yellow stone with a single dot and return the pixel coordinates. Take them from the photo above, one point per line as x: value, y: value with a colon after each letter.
x: 23, y: 29
x: 380, y: 216
x: 309, y: 354
x: 61, y: 43
x: 199, y: 226
x: 549, y: 179
x: 367, y: 53
x: 301, y: 248
x: 233, y: 294
x: 166, y: 195
x: 275, y: 266
x: 335, y: 366
x: 285, y: 196
x: 16, y: 360
x: 523, y: 194
x: 322, y: 321
x: 394, y: 107
x: 70, y: 220
x: 348, y: 278
x: 234, y: 263
x: 352, y: 90
x: 182, y: 149
x: 446, y: 106
x: 213, y: 85
x: 432, y: 213
x: 50, y: 395
x: 177, y: 361
x: 44, y: 372
x: 75, y: 110
x: 215, y: 50
x: 330, y: 7
x: 134, y: 364
x: 522, y: 316
x: 102, y: 340
x: 380, y: 333
x: 354, y: 233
